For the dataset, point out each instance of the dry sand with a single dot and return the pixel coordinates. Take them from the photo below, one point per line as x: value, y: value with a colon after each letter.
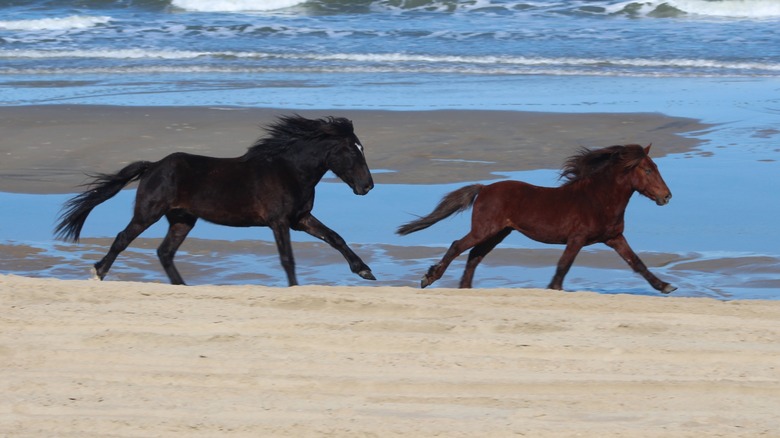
x: 125, y: 359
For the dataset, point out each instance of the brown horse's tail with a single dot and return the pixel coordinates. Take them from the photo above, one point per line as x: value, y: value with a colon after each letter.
x: 102, y: 188
x: 455, y: 202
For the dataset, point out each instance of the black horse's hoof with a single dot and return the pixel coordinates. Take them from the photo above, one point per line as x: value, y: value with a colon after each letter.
x: 425, y: 282
x: 366, y: 274
x: 95, y: 275
x: 668, y: 288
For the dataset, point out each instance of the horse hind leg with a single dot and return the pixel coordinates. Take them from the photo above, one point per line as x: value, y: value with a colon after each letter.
x: 477, y: 254
x: 284, y: 246
x: 436, y: 271
x: 180, y: 225
x: 134, y: 229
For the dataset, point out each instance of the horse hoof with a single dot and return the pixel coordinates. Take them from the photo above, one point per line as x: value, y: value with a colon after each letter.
x: 667, y: 289
x: 425, y: 282
x: 95, y: 275
x: 366, y: 274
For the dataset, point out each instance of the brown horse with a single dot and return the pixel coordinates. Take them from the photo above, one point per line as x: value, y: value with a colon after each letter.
x: 588, y: 208
x: 272, y: 185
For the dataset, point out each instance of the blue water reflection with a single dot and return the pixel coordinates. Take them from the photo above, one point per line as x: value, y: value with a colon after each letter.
x: 708, y: 241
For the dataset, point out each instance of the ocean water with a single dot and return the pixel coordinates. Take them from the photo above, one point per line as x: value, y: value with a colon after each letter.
x: 714, y: 60
x: 105, y: 49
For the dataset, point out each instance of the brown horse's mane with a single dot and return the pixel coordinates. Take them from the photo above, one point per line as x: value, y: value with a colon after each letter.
x: 288, y: 130
x: 589, y: 162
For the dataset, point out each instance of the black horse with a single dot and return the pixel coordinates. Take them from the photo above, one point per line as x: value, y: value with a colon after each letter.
x: 271, y: 185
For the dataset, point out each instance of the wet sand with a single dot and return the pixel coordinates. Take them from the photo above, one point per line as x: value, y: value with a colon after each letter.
x: 48, y: 149
x: 94, y: 359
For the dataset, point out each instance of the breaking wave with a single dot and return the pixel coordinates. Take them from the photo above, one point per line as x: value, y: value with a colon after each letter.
x: 63, y: 23
x: 234, y: 5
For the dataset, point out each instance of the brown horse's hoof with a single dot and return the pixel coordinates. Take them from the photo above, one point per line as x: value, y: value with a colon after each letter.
x: 430, y: 276
x: 668, y: 288
x: 366, y: 274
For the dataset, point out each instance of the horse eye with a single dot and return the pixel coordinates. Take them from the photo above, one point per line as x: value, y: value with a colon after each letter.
x: 648, y: 171
x: 359, y: 146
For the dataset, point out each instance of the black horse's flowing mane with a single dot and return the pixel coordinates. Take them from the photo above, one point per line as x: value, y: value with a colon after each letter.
x: 588, y: 162
x: 288, y: 130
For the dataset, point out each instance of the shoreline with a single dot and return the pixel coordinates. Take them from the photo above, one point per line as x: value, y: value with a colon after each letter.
x: 255, y: 263
x: 49, y: 148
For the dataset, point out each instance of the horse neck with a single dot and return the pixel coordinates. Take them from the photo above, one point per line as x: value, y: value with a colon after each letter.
x: 308, y: 164
x: 611, y: 188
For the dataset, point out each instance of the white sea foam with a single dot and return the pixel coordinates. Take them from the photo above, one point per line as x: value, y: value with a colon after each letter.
x: 103, y: 54
x: 235, y: 5
x: 423, y: 63
x: 730, y: 8
x: 63, y: 23
x: 373, y: 70
x: 752, y: 9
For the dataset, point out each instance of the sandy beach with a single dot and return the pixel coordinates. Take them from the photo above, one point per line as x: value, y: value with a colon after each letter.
x: 98, y: 359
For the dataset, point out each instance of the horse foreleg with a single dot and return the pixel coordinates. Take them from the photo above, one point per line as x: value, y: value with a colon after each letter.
x: 620, y: 245
x: 180, y: 226
x: 284, y: 246
x: 477, y: 254
x: 314, y: 227
x: 573, y: 248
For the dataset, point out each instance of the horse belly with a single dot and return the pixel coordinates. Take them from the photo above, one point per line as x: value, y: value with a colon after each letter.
x: 548, y: 235
x: 233, y: 210
x: 232, y: 219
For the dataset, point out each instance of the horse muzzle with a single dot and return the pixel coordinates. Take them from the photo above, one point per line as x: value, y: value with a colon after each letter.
x: 362, y: 189
x: 663, y: 200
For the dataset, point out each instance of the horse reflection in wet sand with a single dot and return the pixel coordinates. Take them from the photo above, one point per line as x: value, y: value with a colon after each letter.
x: 588, y: 208
x: 271, y: 185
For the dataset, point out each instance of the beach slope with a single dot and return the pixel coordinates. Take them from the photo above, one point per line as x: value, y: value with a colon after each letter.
x: 89, y: 359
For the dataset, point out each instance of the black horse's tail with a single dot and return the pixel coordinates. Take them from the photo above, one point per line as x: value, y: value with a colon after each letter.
x: 454, y: 202
x: 102, y: 188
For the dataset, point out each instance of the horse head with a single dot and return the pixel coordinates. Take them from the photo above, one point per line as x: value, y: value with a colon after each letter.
x: 647, y: 180
x: 346, y: 157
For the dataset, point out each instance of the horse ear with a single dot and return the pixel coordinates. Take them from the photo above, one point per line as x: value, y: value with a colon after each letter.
x: 647, y: 149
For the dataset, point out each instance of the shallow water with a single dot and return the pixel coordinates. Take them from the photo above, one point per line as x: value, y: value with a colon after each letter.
x: 702, y: 260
